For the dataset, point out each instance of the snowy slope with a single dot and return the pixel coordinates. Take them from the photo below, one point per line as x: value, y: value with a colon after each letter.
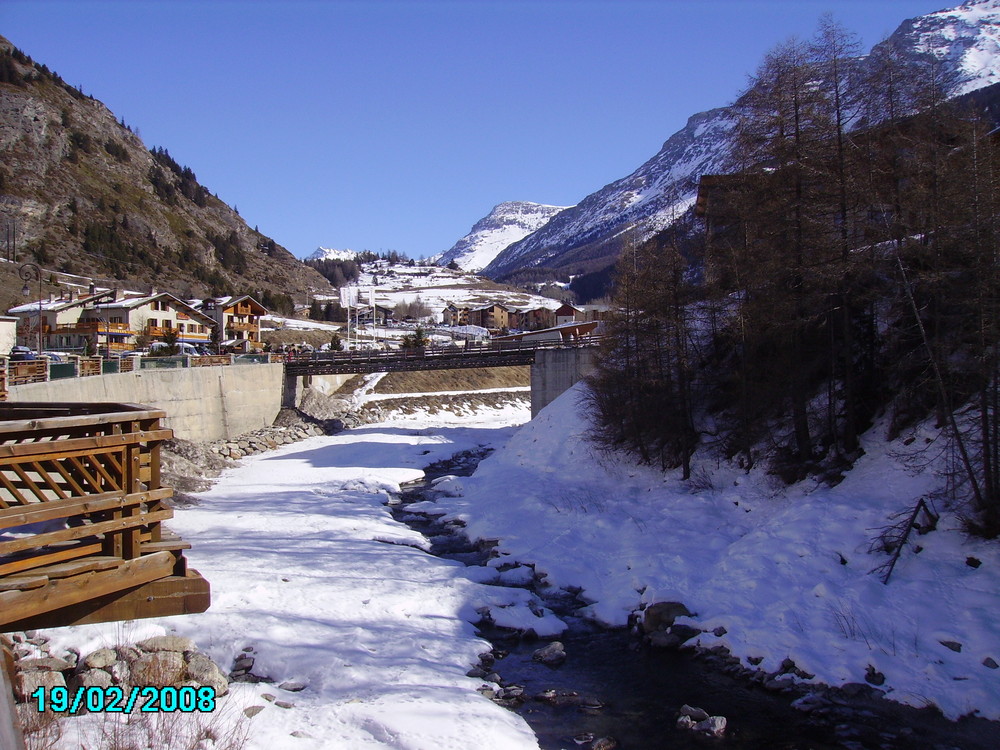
x: 506, y: 223
x: 437, y: 286
x: 780, y: 572
x: 965, y: 40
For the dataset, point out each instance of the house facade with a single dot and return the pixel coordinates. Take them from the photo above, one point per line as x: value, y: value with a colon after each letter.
x: 493, y: 316
x: 238, y: 319
x: 108, y: 322
x: 119, y: 322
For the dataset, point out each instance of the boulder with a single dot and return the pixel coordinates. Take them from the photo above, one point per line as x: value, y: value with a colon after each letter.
x: 552, y: 655
x: 204, y: 671
x: 167, y: 643
x: 100, y: 659
x: 159, y: 668
x: 661, y: 615
x: 27, y: 683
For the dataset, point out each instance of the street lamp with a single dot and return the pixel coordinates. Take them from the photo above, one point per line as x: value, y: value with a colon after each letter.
x: 30, y: 272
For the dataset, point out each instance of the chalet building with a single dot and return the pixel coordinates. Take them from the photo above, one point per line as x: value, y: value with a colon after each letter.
x: 366, y: 314
x: 108, y: 322
x: 453, y: 315
x: 493, y: 316
x: 117, y: 322
x: 238, y: 319
x: 596, y: 313
x: 532, y: 319
x: 566, y: 313
x: 58, y: 319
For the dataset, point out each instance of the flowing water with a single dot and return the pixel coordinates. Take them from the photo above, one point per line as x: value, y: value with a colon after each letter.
x: 613, y: 686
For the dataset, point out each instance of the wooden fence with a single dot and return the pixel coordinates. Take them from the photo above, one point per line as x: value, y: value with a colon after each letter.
x: 81, y: 514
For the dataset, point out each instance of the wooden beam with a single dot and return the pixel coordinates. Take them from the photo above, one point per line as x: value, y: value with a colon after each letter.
x: 79, y: 532
x: 76, y: 506
x: 17, y: 606
x: 47, y: 558
x: 171, y: 595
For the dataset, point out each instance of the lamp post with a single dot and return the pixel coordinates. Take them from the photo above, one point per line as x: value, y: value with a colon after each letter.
x: 30, y: 272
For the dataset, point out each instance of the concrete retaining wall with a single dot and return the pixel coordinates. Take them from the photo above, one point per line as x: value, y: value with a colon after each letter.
x: 556, y: 371
x: 202, y: 403
x: 296, y: 386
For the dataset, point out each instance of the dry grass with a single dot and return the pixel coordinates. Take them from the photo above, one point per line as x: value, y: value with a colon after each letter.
x: 430, y: 381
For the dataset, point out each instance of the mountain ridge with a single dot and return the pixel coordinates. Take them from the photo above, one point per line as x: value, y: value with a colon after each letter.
x: 964, y: 41
x: 86, y: 196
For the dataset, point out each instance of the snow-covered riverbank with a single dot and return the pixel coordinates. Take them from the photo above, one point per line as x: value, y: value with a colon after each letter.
x: 781, y: 572
x: 311, y: 573
x: 309, y: 569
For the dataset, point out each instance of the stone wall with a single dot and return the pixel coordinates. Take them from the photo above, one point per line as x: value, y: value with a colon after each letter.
x: 202, y: 403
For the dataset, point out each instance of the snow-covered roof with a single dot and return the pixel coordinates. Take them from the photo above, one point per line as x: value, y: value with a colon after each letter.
x: 54, y: 305
x: 131, y: 303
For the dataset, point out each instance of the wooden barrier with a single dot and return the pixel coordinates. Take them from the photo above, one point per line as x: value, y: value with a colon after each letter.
x: 81, y: 513
x: 31, y: 371
x: 212, y: 361
x: 89, y: 366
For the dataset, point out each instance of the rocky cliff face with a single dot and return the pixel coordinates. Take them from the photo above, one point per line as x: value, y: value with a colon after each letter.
x: 87, y: 197
x: 963, y: 43
x: 506, y: 224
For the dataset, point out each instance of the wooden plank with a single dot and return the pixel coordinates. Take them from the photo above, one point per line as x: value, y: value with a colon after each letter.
x: 76, y: 506
x: 149, y: 547
x: 29, y: 483
x: 65, y: 592
x: 171, y: 595
x: 95, y: 486
x: 9, y: 486
x: 70, y: 479
x: 83, y: 414
x: 78, y: 445
x: 49, y: 481
x: 47, y: 558
x: 80, y: 532
x: 118, y: 482
x: 78, y: 567
x: 23, y: 583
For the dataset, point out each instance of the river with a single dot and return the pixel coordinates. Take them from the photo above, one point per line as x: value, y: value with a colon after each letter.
x: 614, y: 690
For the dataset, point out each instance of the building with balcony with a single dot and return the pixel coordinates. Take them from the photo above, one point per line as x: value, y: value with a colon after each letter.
x: 56, y: 319
x: 118, y: 324
x: 238, y: 319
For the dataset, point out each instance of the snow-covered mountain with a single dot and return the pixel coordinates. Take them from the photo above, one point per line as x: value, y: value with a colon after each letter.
x: 583, y: 238
x: 506, y: 223
x: 965, y: 40
x: 329, y: 253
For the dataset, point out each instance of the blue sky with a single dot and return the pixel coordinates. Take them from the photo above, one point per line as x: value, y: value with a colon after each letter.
x: 397, y: 124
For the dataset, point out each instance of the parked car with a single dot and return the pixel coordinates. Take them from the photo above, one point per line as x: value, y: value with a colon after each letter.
x: 22, y: 354
x: 54, y: 356
x: 183, y: 350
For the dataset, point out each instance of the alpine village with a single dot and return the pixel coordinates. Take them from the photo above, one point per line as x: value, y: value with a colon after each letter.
x: 709, y: 459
